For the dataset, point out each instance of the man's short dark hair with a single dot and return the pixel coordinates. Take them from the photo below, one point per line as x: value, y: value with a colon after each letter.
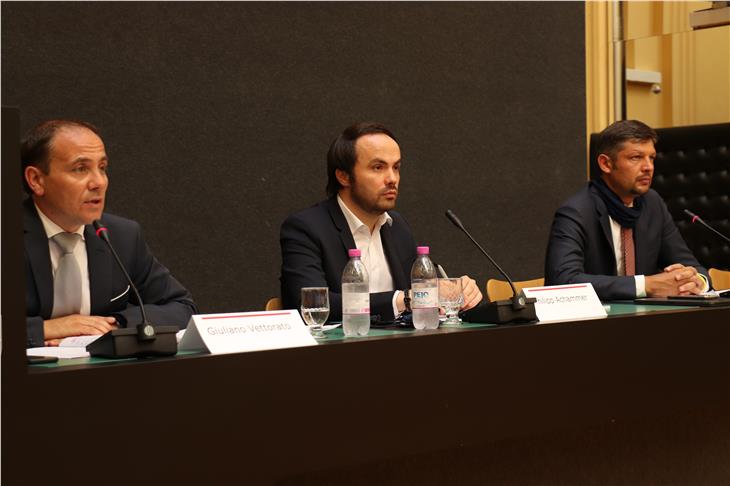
x: 35, y: 146
x: 612, y: 138
x: 342, y: 155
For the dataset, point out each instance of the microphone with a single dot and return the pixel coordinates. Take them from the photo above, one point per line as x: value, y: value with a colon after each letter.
x: 145, y: 331
x: 457, y: 222
x: 697, y: 219
x: 517, y: 309
x: 142, y: 341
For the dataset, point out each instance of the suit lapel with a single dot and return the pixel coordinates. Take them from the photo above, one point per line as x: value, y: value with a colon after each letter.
x: 603, y: 219
x: 100, y: 271
x: 400, y: 280
x: 641, y: 242
x: 39, y: 257
x: 341, y: 224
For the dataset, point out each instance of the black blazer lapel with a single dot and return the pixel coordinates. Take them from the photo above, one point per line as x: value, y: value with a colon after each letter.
x: 100, y: 272
x: 641, y: 244
x: 39, y: 258
x: 400, y: 279
x: 340, y: 224
x: 605, y: 223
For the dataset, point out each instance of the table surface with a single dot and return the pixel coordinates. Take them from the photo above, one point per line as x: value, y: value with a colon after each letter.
x: 336, y: 335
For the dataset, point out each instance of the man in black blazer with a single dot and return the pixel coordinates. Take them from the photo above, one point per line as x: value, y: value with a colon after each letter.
x: 64, y: 168
x: 363, y: 166
x: 616, y: 232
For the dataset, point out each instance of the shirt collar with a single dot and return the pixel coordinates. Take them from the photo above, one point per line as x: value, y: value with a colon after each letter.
x: 354, y: 222
x: 52, y: 229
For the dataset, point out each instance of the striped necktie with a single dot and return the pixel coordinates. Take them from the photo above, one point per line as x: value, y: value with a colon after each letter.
x: 627, y: 244
x: 67, y: 281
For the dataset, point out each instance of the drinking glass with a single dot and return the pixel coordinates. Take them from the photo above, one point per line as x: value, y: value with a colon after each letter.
x: 315, y: 309
x: 451, y: 298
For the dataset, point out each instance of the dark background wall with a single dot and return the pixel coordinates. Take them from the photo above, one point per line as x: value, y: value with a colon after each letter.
x: 217, y: 118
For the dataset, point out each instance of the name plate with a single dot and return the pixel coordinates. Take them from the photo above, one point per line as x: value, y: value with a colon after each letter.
x: 566, y: 302
x: 246, y: 331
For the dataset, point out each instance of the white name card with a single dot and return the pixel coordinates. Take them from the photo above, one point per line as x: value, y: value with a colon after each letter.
x: 566, y: 302
x: 246, y: 331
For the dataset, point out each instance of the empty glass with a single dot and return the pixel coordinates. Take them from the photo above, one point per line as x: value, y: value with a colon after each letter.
x: 451, y: 298
x: 315, y: 308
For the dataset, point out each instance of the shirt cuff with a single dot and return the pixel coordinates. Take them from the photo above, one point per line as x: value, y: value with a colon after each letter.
x: 640, y: 286
x: 396, y: 314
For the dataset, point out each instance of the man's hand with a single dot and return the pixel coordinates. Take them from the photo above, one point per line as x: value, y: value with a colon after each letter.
x: 472, y: 294
x: 675, y: 280
x: 76, y: 325
x: 687, y: 287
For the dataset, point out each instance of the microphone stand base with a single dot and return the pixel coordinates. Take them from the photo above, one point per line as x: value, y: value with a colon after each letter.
x: 501, y: 312
x: 123, y: 343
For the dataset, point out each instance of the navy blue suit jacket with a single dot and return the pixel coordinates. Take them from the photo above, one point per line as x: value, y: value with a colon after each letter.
x: 314, y: 244
x: 166, y: 300
x: 581, y: 250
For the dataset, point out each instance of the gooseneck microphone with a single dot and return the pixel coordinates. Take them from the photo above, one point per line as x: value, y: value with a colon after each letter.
x: 457, y: 222
x: 145, y: 330
x: 697, y: 219
x: 143, y: 341
x: 517, y: 309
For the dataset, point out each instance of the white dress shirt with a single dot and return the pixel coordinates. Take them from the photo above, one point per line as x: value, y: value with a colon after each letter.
x: 371, y: 248
x: 618, y: 252
x: 52, y: 229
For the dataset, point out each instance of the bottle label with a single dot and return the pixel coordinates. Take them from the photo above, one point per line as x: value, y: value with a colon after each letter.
x: 356, y: 303
x: 424, y: 297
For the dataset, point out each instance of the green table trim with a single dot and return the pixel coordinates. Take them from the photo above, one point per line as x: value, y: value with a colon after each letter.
x: 613, y: 309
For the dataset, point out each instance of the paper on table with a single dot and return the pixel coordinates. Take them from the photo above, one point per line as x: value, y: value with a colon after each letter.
x: 717, y: 292
x: 58, y: 351
x: 73, y: 347
x: 83, y: 341
x: 78, y: 341
x: 70, y: 347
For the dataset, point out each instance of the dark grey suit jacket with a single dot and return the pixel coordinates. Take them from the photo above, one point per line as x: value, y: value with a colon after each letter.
x: 580, y: 248
x: 314, y: 244
x: 166, y: 300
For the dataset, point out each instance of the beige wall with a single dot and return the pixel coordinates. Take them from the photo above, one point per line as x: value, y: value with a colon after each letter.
x: 695, y: 69
x: 656, y: 36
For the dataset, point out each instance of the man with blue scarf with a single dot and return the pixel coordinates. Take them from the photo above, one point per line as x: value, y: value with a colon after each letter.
x: 616, y: 232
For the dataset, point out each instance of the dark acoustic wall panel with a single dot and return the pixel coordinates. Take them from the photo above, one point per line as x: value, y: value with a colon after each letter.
x: 217, y: 118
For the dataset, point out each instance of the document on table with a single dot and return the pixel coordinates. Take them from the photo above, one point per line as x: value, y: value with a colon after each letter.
x: 73, y: 347
x: 70, y: 347
x: 58, y: 352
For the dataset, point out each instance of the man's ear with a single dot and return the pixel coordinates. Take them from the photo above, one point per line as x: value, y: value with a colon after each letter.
x: 342, y: 177
x: 605, y: 164
x: 35, y: 179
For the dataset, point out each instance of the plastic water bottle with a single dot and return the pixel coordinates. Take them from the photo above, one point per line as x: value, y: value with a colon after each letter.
x: 355, y: 297
x: 424, y: 291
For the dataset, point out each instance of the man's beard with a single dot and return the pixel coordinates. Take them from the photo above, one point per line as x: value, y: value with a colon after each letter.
x: 377, y: 206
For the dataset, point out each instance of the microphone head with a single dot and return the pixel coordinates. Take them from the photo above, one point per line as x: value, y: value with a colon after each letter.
x: 454, y: 219
x: 692, y: 215
x: 101, y: 230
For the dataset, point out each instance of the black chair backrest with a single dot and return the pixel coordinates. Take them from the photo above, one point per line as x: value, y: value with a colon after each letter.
x: 692, y: 171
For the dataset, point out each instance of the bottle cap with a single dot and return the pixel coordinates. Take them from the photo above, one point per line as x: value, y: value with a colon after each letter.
x: 354, y: 253
x: 422, y: 250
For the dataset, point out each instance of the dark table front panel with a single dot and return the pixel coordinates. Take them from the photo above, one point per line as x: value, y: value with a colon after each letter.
x: 290, y: 415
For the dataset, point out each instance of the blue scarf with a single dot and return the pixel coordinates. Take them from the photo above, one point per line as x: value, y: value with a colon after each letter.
x: 622, y: 214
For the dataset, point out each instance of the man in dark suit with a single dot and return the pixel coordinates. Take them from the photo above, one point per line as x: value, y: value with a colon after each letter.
x: 363, y: 166
x: 73, y: 285
x: 616, y: 232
